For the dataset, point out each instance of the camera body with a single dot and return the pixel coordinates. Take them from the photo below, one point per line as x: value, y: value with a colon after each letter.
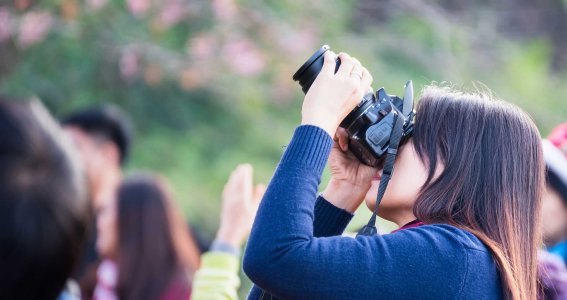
x: 369, y: 125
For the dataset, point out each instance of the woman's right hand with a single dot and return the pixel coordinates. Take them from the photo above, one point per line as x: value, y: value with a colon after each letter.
x: 333, y: 96
x: 350, y: 179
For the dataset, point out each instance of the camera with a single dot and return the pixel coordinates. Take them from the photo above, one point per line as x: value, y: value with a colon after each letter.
x: 370, y: 124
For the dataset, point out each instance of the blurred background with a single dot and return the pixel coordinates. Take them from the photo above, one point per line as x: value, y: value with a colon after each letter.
x: 208, y: 83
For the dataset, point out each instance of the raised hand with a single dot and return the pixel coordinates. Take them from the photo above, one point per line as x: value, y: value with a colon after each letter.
x: 350, y: 179
x: 332, y: 96
x: 240, y: 200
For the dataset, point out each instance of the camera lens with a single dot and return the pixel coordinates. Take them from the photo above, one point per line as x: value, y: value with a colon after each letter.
x: 311, y: 68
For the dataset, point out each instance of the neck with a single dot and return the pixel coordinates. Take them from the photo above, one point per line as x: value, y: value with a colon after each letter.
x: 404, y: 221
x: 400, y: 217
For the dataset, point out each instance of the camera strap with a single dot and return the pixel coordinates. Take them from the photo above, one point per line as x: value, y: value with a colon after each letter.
x: 397, y: 133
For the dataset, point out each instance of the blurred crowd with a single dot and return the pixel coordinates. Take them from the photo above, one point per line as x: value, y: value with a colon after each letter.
x: 74, y: 226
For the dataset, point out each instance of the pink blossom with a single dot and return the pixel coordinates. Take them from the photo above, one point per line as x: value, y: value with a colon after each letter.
x: 22, y: 4
x: 138, y: 7
x: 243, y: 57
x: 5, y: 26
x: 34, y: 27
x: 129, y: 65
x: 96, y: 4
x: 202, y: 47
x: 224, y: 10
x: 172, y: 12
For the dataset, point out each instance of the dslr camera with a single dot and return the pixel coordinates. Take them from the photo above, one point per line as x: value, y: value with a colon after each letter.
x: 370, y: 124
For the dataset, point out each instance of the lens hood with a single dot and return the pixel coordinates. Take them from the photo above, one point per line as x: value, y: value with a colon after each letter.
x: 310, y: 69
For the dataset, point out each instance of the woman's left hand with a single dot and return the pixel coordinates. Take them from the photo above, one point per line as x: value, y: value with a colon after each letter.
x: 350, y: 178
x: 333, y: 96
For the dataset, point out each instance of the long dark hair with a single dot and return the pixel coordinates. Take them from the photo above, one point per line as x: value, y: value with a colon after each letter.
x: 492, y: 178
x: 154, y: 245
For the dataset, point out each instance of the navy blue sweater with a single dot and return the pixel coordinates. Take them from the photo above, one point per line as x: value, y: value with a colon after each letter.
x: 291, y: 259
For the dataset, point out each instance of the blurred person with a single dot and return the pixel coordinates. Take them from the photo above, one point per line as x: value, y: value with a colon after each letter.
x: 147, y: 249
x: 554, y: 223
x: 149, y: 252
x: 466, y: 192
x: 554, y: 203
x: 43, y: 203
x: 103, y: 136
x: 217, y: 278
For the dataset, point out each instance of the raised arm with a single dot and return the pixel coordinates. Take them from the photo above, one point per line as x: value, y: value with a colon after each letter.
x: 285, y: 259
x: 218, y: 279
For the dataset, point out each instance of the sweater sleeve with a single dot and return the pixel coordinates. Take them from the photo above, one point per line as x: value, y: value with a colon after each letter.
x: 284, y: 258
x: 217, y: 278
x: 329, y: 221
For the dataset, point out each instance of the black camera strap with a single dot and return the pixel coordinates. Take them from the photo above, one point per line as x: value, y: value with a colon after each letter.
x: 397, y: 133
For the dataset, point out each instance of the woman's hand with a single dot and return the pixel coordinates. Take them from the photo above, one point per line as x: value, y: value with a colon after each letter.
x: 240, y: 200
x: 350, y: 179
x: 333, y: 96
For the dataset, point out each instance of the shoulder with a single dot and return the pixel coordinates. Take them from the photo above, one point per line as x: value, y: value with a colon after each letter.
x: 453, y: 244
x: 179, y: 287
x: 451, y: 250
x: 441, y: 235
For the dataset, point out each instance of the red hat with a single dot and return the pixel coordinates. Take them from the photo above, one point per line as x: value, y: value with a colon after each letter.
x: 558, y: 137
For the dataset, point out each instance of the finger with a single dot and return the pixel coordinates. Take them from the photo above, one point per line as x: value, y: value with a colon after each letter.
x: 356, y: 62
x: 231, y: 185
x: 259, y: 191
x: 336, y: 137
x: 336, y: 145
x: 329, y: 63
x: 343, y: 139
x: 366, y: 80
x: 247, y: 178
x: 347, y: 64
x: 356, y: 74
x: 343, y: 143
x: 232, y: 178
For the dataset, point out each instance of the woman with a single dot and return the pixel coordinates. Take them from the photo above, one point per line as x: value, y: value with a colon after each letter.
x: 149, y: 252
x: 472, y: 174
x: 148, y: 249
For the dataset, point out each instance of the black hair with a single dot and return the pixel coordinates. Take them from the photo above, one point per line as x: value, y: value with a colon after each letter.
x: 491, y: 181
x: 106, y: 121
x: 43, y: 203
x: 145, y: 207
